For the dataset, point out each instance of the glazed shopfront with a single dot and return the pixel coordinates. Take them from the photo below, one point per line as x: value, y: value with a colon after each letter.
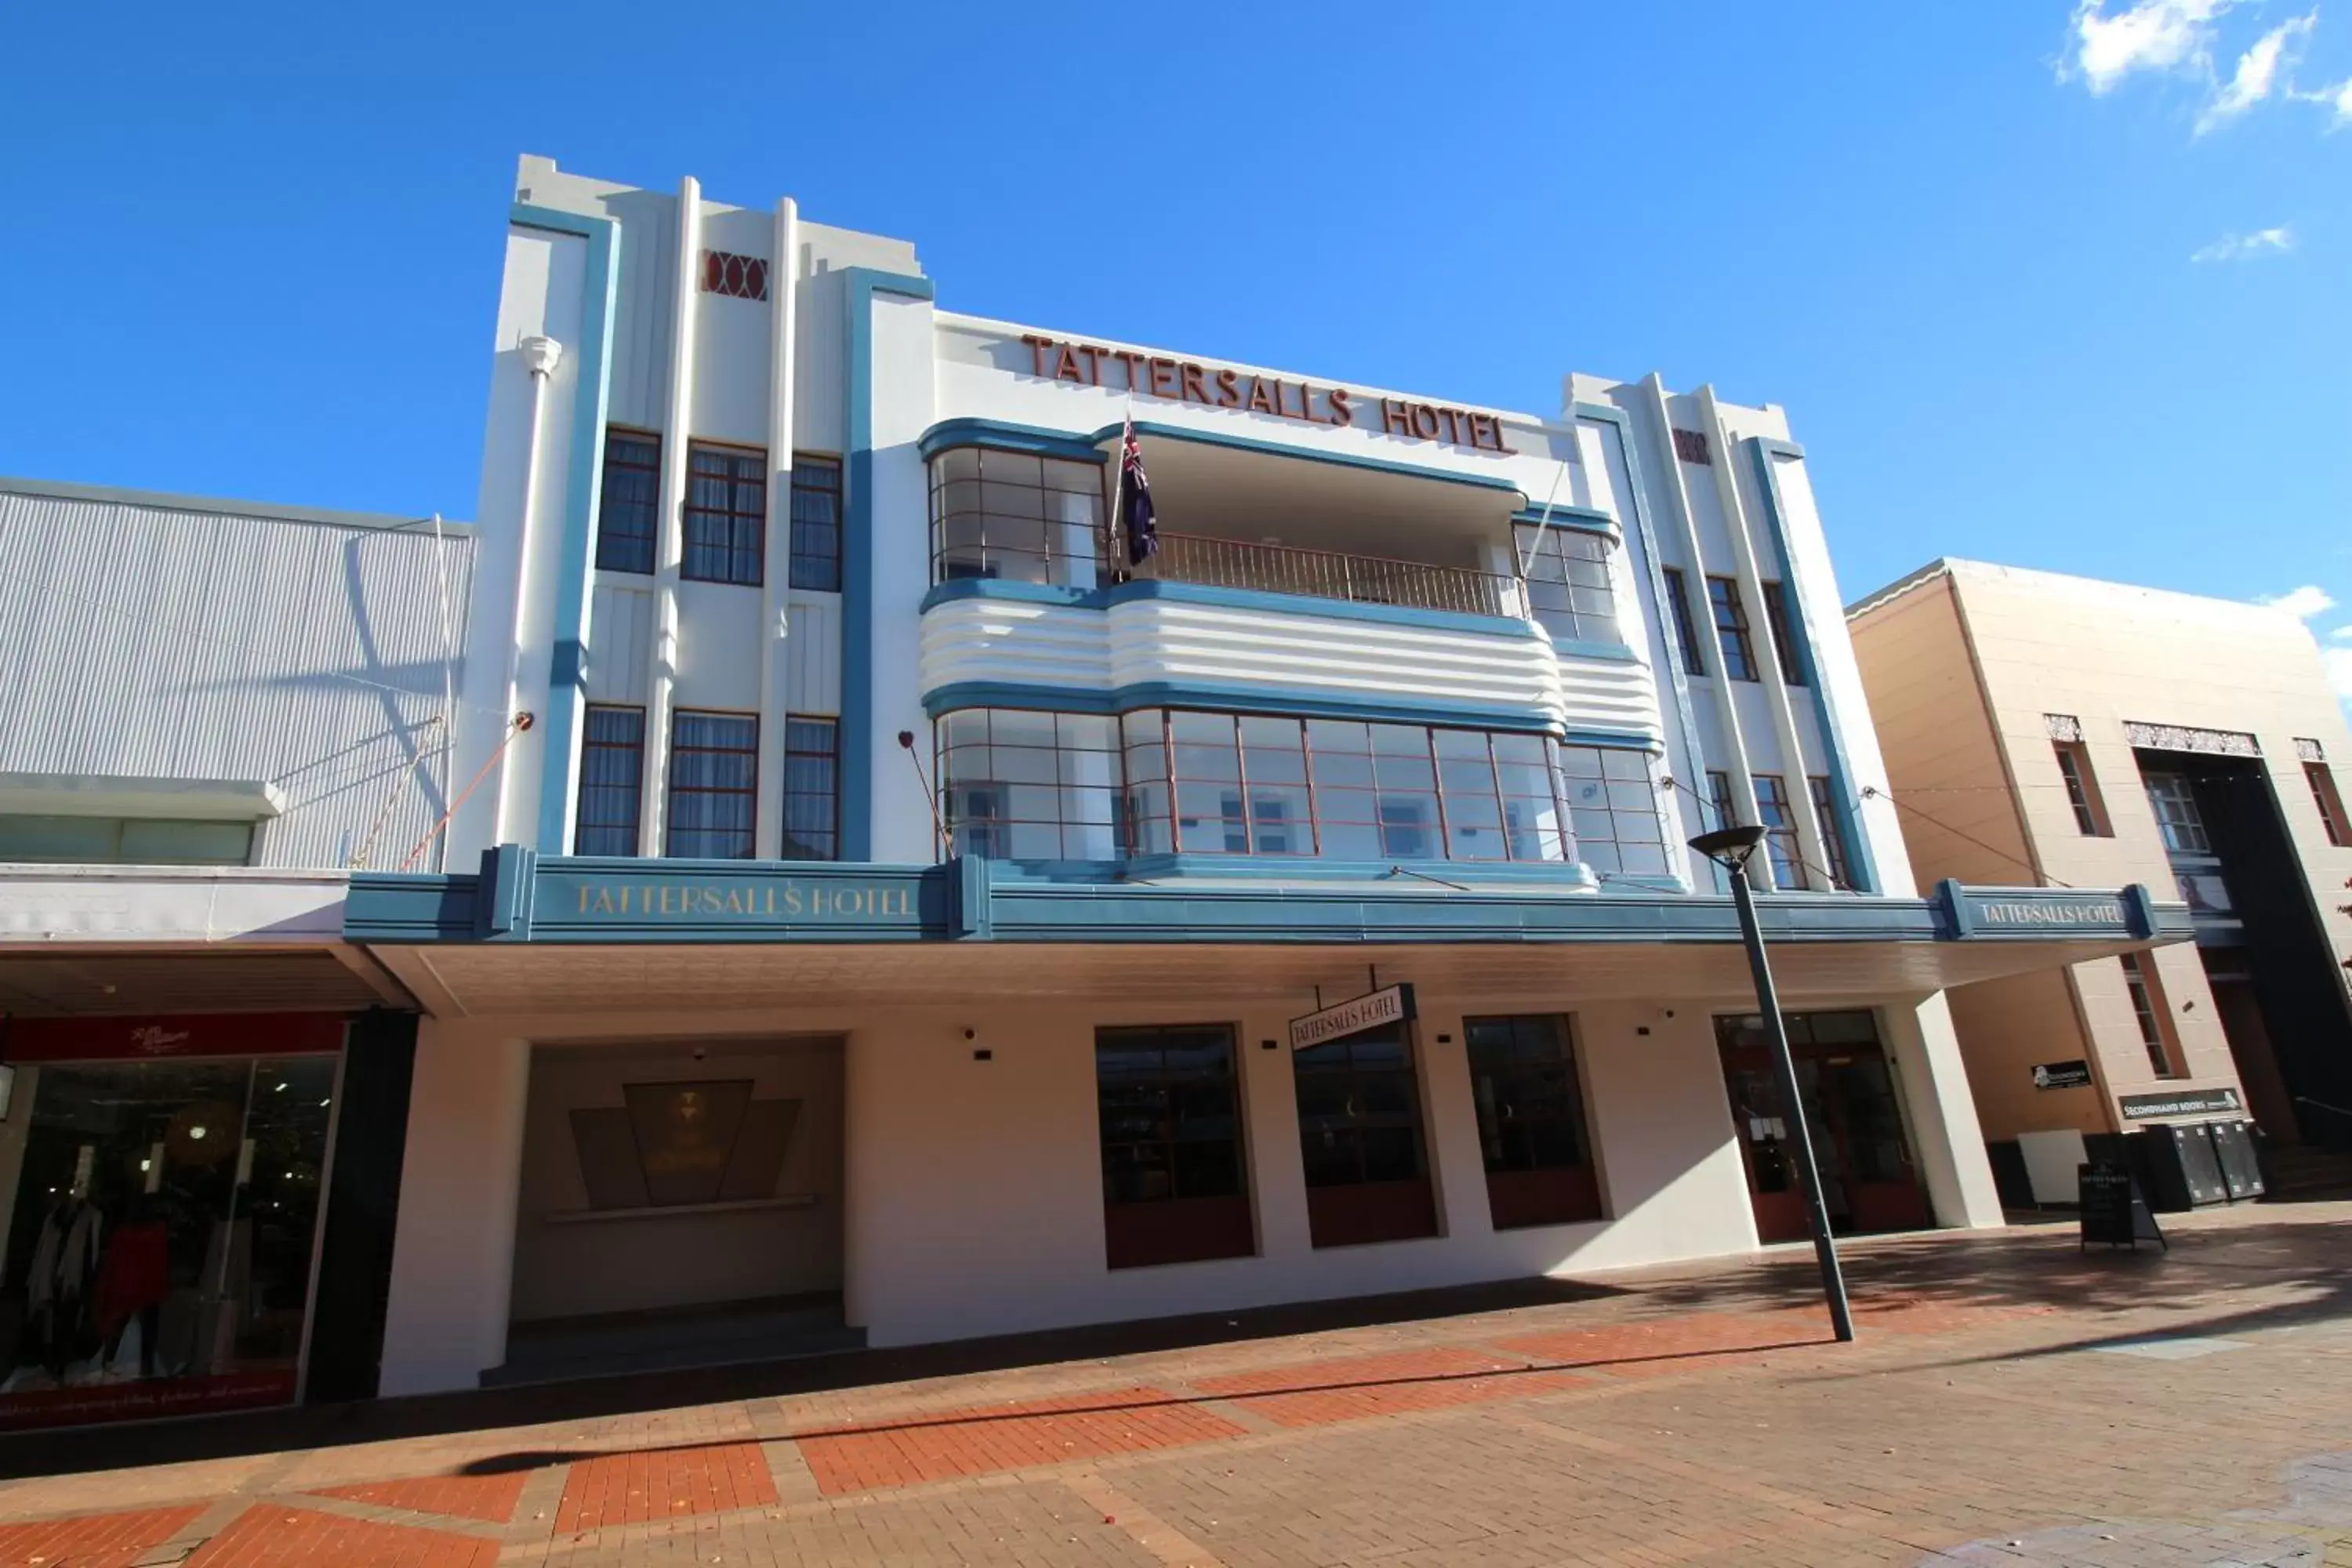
x: 167, y: 1183
x: 1007, y: 1103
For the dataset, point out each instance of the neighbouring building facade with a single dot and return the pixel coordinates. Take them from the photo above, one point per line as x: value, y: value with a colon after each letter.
x: 2084, y: 733
x: 907, y: 898
x: 210, y: 712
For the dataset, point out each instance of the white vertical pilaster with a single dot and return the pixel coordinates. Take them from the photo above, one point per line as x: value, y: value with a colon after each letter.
x: 775, y: 616
x: 669, y: 540
x: 461, y: 1178
x: 1726, y: 711
x: 1776, y: 685
x: 1945, y: 1137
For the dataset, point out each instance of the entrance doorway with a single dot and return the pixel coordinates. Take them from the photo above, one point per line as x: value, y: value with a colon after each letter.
x: 1869, y: 1180
x: 680, y: 1207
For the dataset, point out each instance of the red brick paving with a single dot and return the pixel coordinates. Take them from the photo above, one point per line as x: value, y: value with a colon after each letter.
x: 271, y: 1535
x: 91, y: 1540
x: 1350, y: 1388
x: 944, y: 1444
x: 663, y: 1483
x: 488, y: 1498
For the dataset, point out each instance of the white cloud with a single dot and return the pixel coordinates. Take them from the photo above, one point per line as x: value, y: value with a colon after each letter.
x: 2257, y: 72
x: 2239, y: 247
x: 2301, y: 602
x: 2153, y: 34
x: 2342, y: 634
x: 2337, y: 96
x: 2339, y: 663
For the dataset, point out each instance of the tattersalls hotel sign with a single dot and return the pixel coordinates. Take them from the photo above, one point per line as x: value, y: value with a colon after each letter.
x: 1186, y: 381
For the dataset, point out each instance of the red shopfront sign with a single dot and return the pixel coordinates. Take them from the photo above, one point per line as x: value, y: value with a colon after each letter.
x: 190, y: 1035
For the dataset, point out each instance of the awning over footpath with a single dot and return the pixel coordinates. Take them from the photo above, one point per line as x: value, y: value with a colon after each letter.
x: 533, y: 934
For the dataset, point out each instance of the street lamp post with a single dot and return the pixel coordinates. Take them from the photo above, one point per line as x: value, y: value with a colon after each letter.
x: 1731, y: 849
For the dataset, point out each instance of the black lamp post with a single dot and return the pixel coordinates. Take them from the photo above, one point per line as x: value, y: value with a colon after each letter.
x: 1730, y: 847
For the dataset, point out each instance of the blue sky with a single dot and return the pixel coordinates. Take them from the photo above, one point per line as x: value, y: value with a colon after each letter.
x: 2063, y: 287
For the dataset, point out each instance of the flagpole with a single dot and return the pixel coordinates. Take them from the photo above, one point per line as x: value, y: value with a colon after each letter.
x: 1119, y: 492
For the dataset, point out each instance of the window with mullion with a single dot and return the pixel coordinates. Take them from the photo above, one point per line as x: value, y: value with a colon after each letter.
x: 1732, y: 636
x: 714, y: 785
x: 1570, y: 591
x: 725, y: 514
x: 816, y: 523
x: 1679, y: 607
x: 1781, y: 842
x: 1832, y: 823
x: 611, y: 780
x: 1168, y: 1101
x: 1784, y: 641
x: 1359, y: 1109
x: 812, y: 790
x: 628, y: 508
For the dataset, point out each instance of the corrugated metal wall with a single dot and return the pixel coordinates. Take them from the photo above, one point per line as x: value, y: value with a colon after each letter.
x: 139, y: 640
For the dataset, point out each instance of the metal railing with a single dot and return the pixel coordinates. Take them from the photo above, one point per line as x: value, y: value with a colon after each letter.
x: 1326, y: 574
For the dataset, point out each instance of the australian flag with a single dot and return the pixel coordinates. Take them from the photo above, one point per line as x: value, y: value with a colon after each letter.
x: 1135, y: 503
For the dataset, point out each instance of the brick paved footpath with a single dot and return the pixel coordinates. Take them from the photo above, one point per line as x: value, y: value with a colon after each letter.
x: 2009, y: 1401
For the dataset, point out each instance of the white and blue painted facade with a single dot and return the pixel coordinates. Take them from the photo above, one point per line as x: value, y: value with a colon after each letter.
x: 1400, y: 698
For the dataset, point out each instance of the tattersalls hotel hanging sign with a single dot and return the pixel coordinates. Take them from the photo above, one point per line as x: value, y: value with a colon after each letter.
x: 1185, y: 381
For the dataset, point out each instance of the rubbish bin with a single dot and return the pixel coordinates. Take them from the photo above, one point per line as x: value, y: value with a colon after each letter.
x: 2242, y: 1170
x: 2183, y: 1171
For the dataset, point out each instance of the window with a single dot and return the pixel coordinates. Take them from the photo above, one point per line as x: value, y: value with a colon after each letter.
x: 1779, y: 832
x: 1718, y: 796
x: 1678, y: 606
x: 1690, y: 446
x: 2148, y: 1010
x: 1029, y: 786
x: 1170, y: 1114
x: 816, y: 523
x: 714, y: 784
x: 2174, y: 801
x: 1784, y: 641
x: 611, y: 780
x: 1832, y: 824
x: 630, y: 506
x: 1531, y: 1120
x: 1359, y: 1135
x: 1731, y: 628
x: 1614, y: 810
x: 1568, y: 590
x: 736, y: 277
x: 725, y: 514
x: 2081, y: 788
x: 1015, y: 515
x: 124, y: 840
x: 2330, y: 803
x: 812, y: 789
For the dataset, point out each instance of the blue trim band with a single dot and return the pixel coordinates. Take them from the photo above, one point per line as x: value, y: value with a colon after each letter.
x: 859, y: 285
x: 1679, y: 678
x: 584, y: 487
x: 1250, y: 599
x: 1002, y: 437
x: 1763, y: 452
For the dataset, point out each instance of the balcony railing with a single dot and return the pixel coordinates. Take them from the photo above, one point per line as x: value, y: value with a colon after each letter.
x: 1327, y: 574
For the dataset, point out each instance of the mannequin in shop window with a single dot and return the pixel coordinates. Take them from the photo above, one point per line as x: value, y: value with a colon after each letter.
x: 132, y: 1285
x: 60, y: 1287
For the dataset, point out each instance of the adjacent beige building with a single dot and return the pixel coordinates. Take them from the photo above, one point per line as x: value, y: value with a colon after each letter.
x: 2058, y: 730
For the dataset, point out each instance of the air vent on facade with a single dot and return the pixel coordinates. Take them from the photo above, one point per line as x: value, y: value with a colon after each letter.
x: 736, y: 277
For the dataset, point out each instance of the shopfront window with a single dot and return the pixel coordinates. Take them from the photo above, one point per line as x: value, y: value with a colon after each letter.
x: 1531, y: 1124
x: 1360, y: 1133
x: 160, y: 1243
x: 1023, y: 785
x: 1169, y: 1111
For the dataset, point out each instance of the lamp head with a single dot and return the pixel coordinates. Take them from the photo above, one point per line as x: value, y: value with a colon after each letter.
x: 1730, y: 846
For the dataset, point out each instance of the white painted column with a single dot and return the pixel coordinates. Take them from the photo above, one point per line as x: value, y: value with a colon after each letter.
x: 775, y: 616
x: 669, y: 539
x: 1457, y: 1164
x: 1810, y: 843
x: 1726, y: 711
x: 461, y: 1177
x: 518, y: 805
x: 1277, y: 1171
x: 1946, y: 1138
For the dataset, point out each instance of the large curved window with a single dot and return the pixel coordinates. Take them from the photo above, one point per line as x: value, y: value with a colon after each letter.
x: 1021, y: 785
x: 1014, y: 515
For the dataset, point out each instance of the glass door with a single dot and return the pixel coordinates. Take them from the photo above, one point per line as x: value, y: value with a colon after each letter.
x: 1869, y: 1182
